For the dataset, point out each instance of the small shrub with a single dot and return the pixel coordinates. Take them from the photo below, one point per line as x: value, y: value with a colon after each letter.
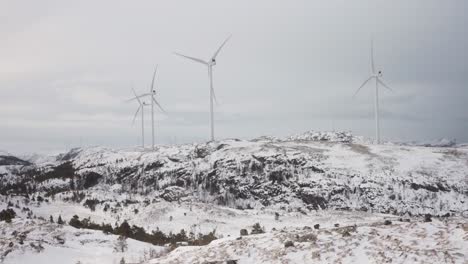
x: 91, y: 204
x: 307, y: 238
x: 428, y: 218
x: 59, y: 220
x: 244, y: 232
x: 75, y: 222
x: 257, y: 229
x: 289, y: 244
x: 7, y: 214
x: 346, y: 233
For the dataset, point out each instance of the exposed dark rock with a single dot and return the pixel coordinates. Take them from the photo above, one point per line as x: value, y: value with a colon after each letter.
x: 307, y: 238
x: 221, y: 146
x: 73, y: 153
x: 91, y: 179
x: 318, y: 170
x: 11, y: 160
x: 316, y: 201
x: 289, y: 244
x: 430, y: 188
x: 154, y: 166
x: 173, y: 193
x: 201, y: 152
x: 62, y: 171
x: 173, y: 159
x: 244, y: 232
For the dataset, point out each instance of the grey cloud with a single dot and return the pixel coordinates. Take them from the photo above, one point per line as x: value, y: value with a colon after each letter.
x: 67, y: 68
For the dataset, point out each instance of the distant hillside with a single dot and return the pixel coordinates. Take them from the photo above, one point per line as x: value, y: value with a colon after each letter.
x: 314, y: 170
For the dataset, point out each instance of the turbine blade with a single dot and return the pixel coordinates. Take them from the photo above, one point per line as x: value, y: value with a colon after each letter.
x: 192, y: 58
x: 152, y: 81
x: 136, y: 96
x: 220, y: 47
x: 362, y: 85
x: 372, y: 56
x: 384, y: 85
x: 135, y: 116
x: 162, y: 109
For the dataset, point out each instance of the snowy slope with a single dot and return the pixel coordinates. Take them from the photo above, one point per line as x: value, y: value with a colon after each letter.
x: 329, y: 172
x: 43, y: 242
x: 435, y: 242
x: 286, y: 185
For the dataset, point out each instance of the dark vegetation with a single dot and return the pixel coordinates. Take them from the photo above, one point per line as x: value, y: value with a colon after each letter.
x: 257, y: 229
x: 62, y: 171
x: 7, y: 214
x: 91, y: 204
x: 139, y: 233
x: 11, y: 160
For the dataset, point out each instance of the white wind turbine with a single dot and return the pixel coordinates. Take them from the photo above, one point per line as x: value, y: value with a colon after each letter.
x: 141, y: 107
x: 151, y: 94
x: 210, y: 65
x: 378, y: 80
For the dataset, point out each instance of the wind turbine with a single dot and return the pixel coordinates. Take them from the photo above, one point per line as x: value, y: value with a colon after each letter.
x: 209, y: 64
x: 378, y: 80
x: 152, y: 93
x: 141, y: 107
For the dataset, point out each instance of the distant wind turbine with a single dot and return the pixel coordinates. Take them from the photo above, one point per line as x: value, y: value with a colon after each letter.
x: 378, y: 80
x: 141, y: 107
x: 151, y: 94
x: 210, y: 65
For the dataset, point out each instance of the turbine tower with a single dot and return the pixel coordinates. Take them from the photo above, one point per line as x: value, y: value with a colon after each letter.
x: 151, y: 94
x: 378, y: 80
x: 141, y: 107
x: 209, y: 64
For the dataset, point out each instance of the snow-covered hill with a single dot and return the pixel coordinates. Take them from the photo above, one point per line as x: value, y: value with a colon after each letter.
x: 329, y: 171
x: 323, y: 178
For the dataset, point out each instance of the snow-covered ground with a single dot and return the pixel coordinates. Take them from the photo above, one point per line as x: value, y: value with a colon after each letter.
x: 344, y: 184
x: 44, y: 242
x: 399, y: 242
x: 346, y: 237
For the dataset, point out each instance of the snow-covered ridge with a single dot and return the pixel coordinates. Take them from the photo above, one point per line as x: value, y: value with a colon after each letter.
x: 345, y: 137
x: 312, y: 171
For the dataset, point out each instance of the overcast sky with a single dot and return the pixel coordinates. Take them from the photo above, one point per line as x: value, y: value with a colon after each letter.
x: 66, y: 68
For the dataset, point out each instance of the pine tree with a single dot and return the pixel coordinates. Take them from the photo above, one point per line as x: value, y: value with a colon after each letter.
x: 121, y: 244
x: 59, y: 220
x: 51, y: 219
